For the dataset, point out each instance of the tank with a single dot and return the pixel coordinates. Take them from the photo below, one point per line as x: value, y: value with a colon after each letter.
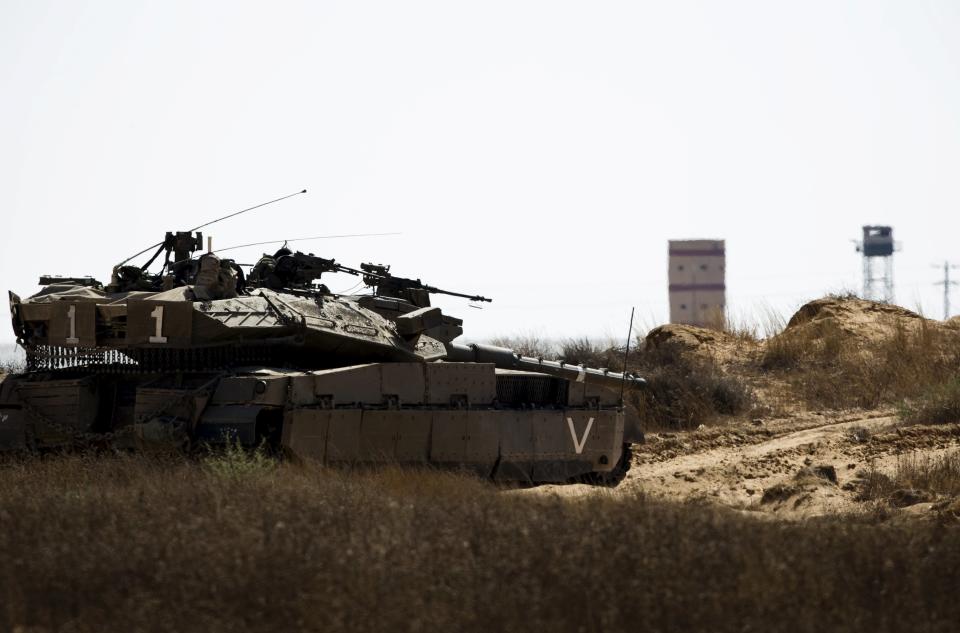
x: 207, y: 351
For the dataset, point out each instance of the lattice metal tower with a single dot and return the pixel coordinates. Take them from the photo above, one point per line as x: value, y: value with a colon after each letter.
x: 877, y: 248
x: 947, y: 283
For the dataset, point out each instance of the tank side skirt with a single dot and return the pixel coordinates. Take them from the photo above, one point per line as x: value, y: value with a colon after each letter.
x: 558, y: 446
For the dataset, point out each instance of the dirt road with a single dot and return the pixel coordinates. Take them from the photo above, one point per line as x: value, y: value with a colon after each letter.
x: 792, y: 468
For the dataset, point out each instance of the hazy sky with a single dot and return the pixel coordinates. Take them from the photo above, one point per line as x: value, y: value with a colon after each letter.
x: 541, y: 153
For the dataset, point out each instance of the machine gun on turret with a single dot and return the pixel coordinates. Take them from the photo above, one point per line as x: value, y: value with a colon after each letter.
x: 378, y: 277
x: 299, y: 271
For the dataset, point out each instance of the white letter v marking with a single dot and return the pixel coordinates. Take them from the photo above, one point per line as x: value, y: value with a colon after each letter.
x: 579, y: 444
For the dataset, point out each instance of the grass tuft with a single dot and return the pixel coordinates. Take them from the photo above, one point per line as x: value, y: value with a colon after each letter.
x: 233, y: 460
x: 917, y: 477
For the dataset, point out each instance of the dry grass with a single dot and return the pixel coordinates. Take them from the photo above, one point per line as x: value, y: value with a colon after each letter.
x: 917, y: 477
x: 938, y: 403
x: 529, y: 344
x: 577, y: 350
x: 11, y: 366
x: 939, y: 475
x: 827, y: 368
x: 684, y: 390
x: 124, y: 544
x: 590, y: 353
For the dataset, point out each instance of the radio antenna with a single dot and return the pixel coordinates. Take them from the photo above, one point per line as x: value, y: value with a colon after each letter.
x: 303, y: 239
x: 229, y: 215
x: 626, y: 352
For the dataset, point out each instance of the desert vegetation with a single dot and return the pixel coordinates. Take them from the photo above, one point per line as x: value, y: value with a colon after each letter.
x: 121, y: 543
x: 917, y: 478
x: 835, y: 353
x: 11, y: 366
x: 684, y: 391
x: 936, y: 403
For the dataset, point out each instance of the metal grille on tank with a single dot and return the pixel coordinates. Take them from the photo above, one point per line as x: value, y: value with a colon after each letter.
x: 54, y: 358
x: 518, y: 389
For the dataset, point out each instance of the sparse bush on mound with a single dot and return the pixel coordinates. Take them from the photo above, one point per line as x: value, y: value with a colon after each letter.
x: 842, y: 352
x: 683, y: 390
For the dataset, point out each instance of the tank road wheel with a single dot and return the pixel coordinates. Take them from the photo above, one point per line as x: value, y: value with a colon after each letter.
x: 612, y: 477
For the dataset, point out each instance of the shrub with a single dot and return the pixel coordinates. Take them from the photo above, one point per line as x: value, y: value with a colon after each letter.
x: 937, y: 474
x: 829, y: 368
x: 917, y: 473
x: 938, y: 404
x: 233, y: 460
x: 684, y: 391
x: 584, y: 351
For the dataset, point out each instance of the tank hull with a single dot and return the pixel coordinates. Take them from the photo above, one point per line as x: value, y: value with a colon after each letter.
x: 502, y: 425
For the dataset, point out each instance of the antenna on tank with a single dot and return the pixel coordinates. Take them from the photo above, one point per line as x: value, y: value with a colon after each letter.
x: 626, y: 352
x: 303, y: 239
x: 229, y: 215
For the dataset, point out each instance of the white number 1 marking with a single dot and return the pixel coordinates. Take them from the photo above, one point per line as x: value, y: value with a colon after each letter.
x: 578, y: 444
x: 158, y: 315
x: 72, y: 315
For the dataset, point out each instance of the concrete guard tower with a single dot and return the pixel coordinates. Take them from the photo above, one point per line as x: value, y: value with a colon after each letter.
x: 877, y: 248
x: 697, y: 272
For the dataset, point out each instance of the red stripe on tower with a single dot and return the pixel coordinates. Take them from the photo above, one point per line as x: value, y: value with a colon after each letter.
x: 686, y: 252
x: 689, y: 287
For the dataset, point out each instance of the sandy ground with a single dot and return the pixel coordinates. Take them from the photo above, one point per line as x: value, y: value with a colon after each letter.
x: 802, y: 465
x: 797, y: 467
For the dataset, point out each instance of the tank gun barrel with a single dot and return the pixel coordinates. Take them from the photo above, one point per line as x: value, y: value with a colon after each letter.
x: 505, y: 358
x: 437, y: 291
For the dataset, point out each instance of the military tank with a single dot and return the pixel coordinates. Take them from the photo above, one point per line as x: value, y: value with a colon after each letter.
x: 205, y: 352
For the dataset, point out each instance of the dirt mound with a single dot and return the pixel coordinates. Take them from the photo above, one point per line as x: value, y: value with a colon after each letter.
x: 855, y: 317
x: 712, y: 344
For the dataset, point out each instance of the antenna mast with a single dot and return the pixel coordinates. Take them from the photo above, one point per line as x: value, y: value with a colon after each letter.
x: 229, y: 215
x: 626, y: 352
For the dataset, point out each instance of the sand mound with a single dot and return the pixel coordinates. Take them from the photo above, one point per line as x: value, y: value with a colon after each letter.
x: 830, y: 323
x: 689, y: 336
x: 851, y: 318
x: 699, y: 341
